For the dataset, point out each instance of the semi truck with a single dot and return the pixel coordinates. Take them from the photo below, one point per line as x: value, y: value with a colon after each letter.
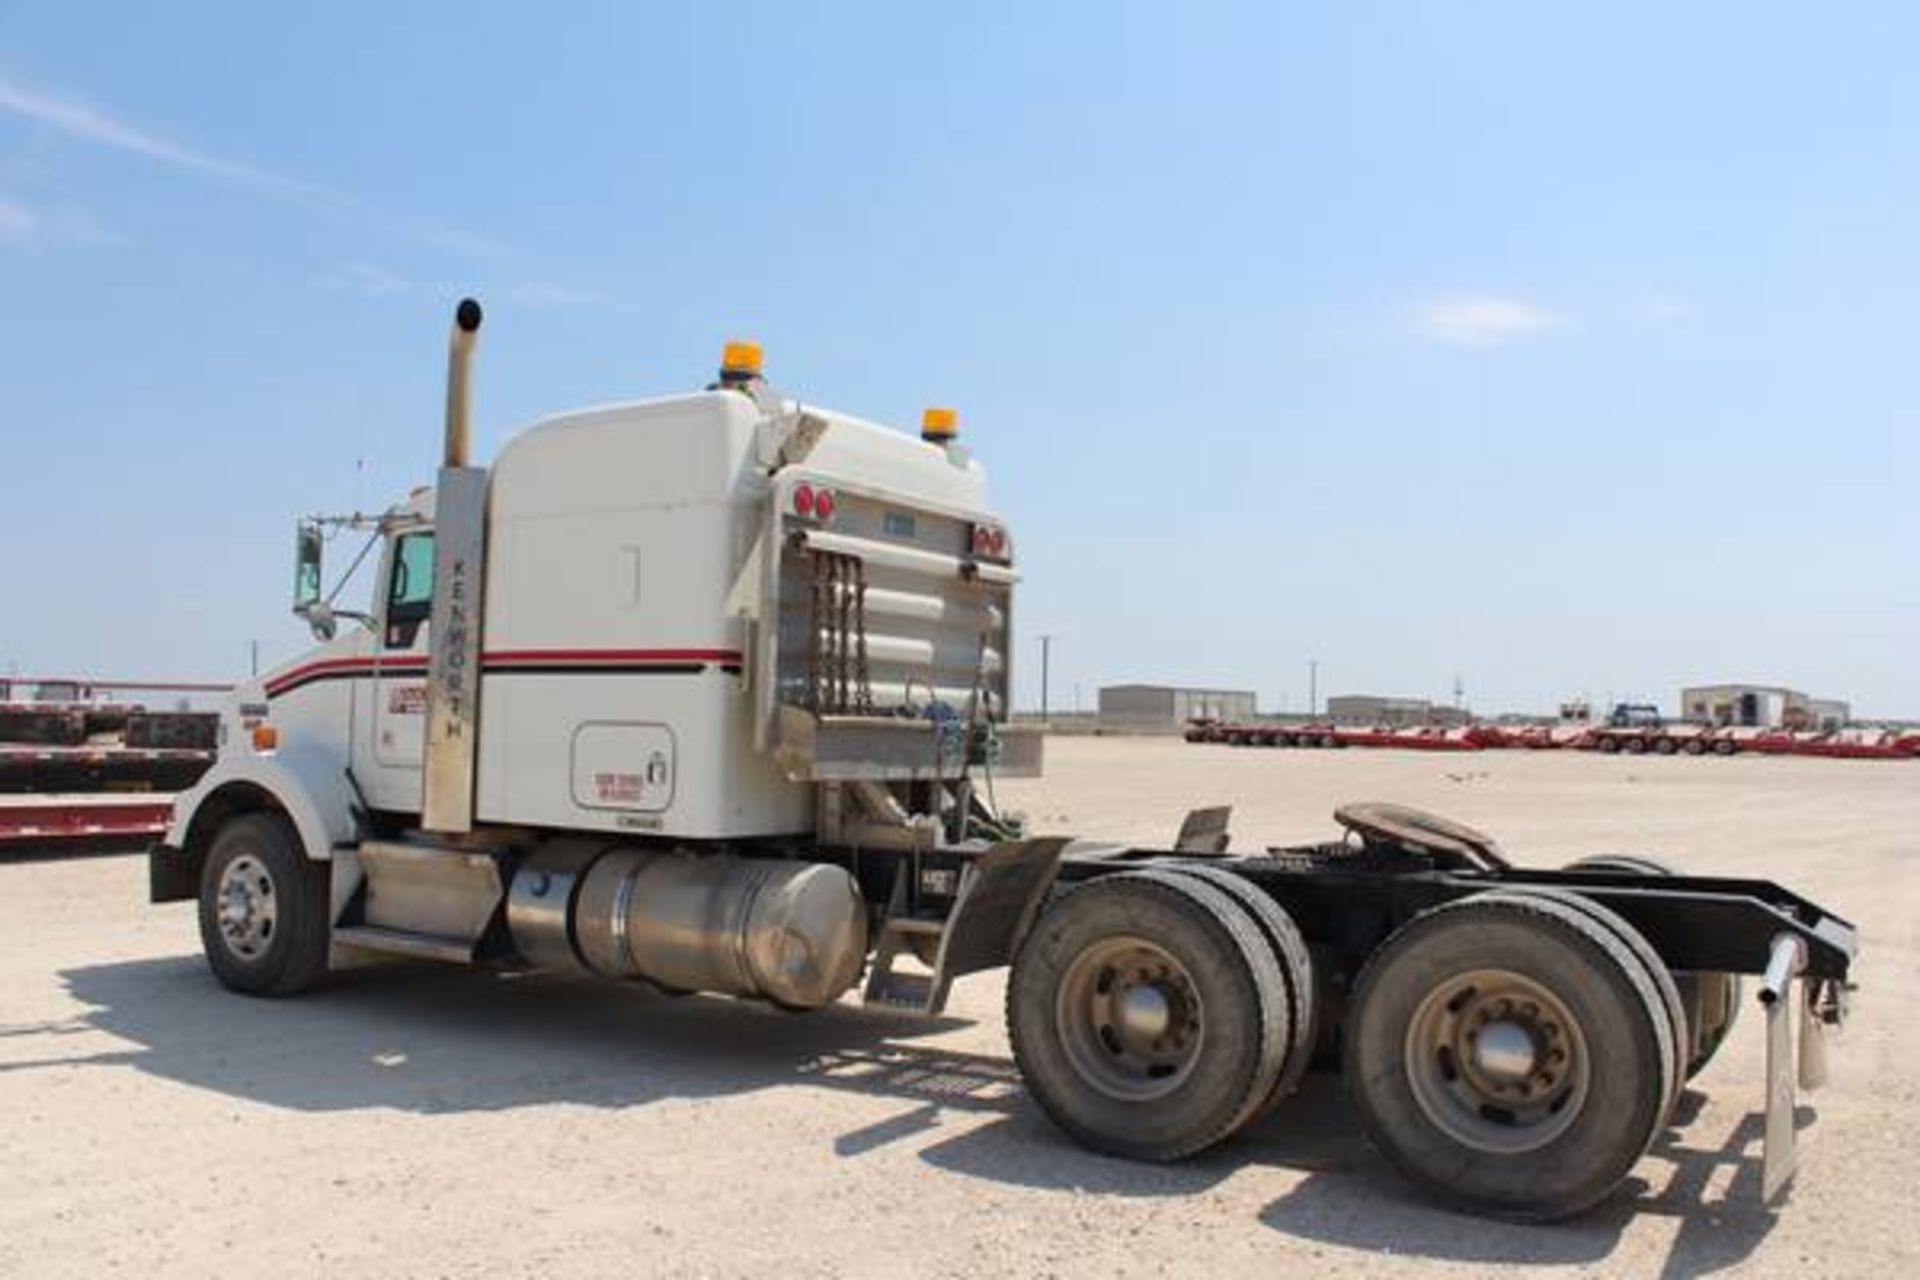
x: 711, y: 692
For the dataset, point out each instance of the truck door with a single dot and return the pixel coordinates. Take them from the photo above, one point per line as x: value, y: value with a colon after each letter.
x: 399, y: 711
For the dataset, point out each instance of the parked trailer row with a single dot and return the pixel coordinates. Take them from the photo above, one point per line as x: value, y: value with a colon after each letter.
x: 46, y: 819
x: 1666, y: 740
x: 80, y: 762
x: 1418, y: 738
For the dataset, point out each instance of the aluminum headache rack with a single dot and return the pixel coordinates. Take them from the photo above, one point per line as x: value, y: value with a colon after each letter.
x: 883, y: 650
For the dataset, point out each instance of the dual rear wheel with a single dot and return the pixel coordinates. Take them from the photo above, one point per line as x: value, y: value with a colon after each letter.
x: 1155, y: 1013
x: 1514, y: 1052
x: 1709, y: 1000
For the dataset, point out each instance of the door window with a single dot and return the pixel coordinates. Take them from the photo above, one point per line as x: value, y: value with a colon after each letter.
x: 409, y: 589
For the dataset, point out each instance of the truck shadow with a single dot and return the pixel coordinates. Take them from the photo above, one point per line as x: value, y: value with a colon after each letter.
x: 432, y: 1040
x: 435, y: 1041
x: 1368, y: 1206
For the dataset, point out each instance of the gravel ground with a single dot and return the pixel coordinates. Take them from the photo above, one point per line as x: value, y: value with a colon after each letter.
x: 429, y: 1122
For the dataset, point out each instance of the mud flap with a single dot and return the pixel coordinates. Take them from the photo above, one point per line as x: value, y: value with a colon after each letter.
x: 1821, y: 1008
x: 1204, y: 831
x: 999, y: 896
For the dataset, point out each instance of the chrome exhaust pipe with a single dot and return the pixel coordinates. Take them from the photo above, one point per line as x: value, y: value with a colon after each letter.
x: 466, y: 336
x: 459, y: 573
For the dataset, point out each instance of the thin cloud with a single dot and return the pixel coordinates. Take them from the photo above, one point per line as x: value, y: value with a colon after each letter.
x: 1481, y: 321
x: 18, y: 224
x: 78, y: 120
x: 89, y: 124
x: 41, y: 226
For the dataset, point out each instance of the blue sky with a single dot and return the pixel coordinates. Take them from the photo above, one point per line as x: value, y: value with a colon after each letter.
x: 1555, y: 351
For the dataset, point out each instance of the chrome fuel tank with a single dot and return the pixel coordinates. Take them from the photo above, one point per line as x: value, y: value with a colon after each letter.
x: 794, y: 933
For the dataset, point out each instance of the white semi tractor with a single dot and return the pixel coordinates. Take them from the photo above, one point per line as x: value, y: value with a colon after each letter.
x: 709, y: 691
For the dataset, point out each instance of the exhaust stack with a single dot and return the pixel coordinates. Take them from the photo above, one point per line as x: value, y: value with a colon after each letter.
x: 459, y: 582
x: 466, y: 336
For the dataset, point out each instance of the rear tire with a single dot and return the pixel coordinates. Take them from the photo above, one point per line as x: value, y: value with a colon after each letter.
x: 1710, y: 999
x: 1147, y: 1015
x: 263, y: 908
x: 1290, y: 952
x: 1509, y: 1054
x: 1661, y: 978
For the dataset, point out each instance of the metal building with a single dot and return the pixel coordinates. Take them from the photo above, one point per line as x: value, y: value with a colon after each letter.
x: 1832, y: 713
x: 1148, y: 708
x: 1760, y: 706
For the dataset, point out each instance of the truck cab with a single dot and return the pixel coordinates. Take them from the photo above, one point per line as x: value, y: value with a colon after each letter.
x: 720, y: 620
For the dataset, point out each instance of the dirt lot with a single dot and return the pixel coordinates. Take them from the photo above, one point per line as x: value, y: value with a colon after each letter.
x: 443, y: 1123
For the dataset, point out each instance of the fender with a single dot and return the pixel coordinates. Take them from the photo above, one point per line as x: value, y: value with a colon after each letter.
x: 297, y: 783
x: 306, y: 786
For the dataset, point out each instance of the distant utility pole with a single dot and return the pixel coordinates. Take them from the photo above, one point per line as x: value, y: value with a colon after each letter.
x: 1459, y: 694
x: 253, y: 655
x: 1313, y: 686
x: 1046, y: 659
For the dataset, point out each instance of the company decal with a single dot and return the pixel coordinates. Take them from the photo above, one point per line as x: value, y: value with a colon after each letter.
x: 407, y: 699
x: 619, y: 788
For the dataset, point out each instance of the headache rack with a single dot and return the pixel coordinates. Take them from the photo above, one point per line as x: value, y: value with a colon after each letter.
x: 882, y: 652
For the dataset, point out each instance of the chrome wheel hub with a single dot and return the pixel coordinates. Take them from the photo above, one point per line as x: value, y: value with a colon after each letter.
x: 1497, y: 1062
x: 1130, y: 1019
x: 1505, y: 1051
x: 245, y: 907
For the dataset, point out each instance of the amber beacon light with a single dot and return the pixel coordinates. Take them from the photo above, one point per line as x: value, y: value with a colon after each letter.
x: 937, y: 426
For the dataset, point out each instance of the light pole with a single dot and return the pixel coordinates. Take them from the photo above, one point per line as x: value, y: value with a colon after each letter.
x: 1313, y: 686
x: 1046, y: 659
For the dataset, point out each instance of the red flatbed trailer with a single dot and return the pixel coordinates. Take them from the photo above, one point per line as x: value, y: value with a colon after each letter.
x: 33, y: 819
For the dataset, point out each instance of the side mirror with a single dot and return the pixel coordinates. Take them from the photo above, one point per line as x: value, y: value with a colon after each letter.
x: 306, y: 583
x: 306, y: 569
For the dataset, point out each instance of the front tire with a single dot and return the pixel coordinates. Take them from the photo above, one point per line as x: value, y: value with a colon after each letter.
x: 263, y: 908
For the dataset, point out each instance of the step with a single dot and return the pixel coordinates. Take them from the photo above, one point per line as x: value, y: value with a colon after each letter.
x: 913, y: 924
x: 901, y: 991
x: 398, y: 942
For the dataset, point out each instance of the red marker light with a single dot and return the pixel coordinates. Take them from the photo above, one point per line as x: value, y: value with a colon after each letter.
x: 823, y: 504
x: 803, y: 500
x: 991, y: 543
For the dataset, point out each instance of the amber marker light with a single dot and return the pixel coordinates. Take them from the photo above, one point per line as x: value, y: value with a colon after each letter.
x: 937, y: 426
